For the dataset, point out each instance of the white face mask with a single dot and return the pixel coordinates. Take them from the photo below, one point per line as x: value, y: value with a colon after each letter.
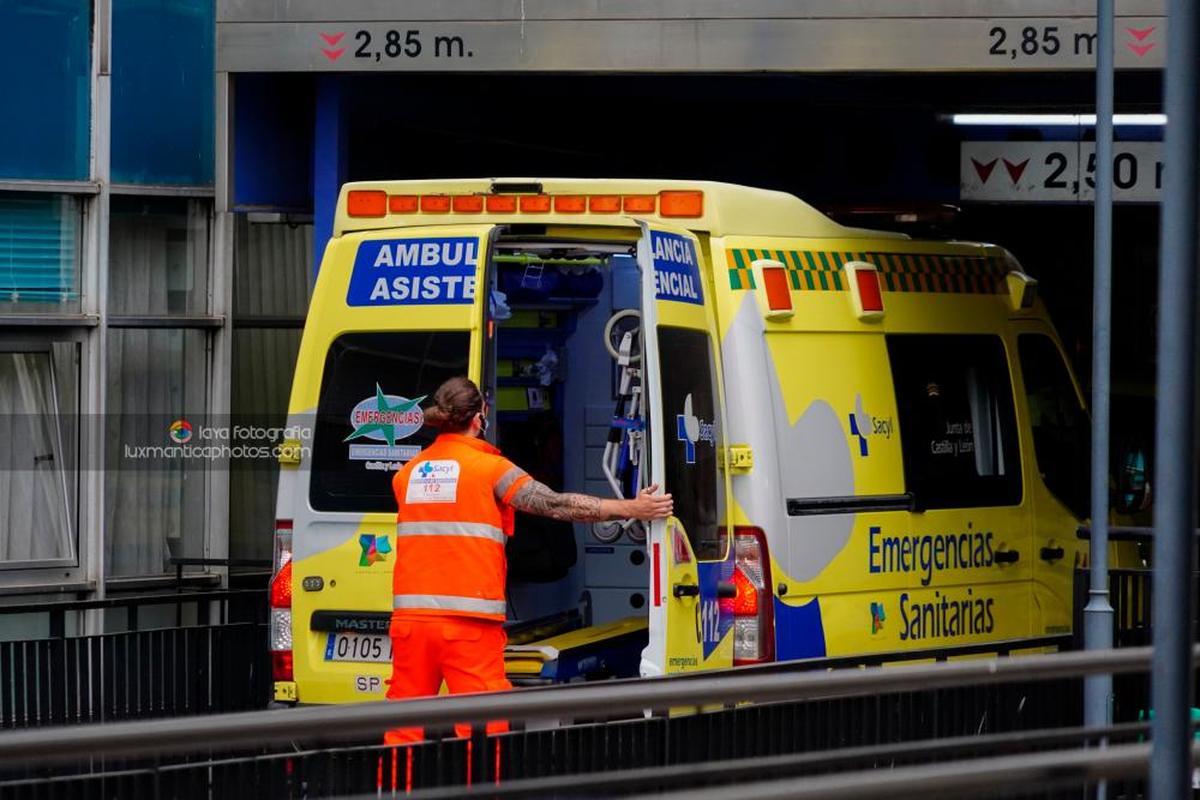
x: 483, y: 423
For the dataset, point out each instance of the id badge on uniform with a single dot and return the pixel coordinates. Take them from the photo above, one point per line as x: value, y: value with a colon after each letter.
x: 433, y: 482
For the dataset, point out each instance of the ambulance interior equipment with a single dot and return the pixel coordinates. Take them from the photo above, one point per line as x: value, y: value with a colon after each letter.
x: 564, y: 377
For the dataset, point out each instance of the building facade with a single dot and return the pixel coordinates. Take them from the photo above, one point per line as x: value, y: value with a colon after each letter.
x: 166, y: 195
x: 119, y: 332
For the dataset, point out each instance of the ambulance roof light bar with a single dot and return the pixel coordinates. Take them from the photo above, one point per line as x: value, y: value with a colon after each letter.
x: 525, y: 198
x: 1055, y: 120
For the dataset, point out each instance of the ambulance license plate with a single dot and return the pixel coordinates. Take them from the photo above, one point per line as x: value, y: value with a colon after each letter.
x: 358, y: 647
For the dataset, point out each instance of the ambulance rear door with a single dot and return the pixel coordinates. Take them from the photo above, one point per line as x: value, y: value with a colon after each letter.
x: 395, y: 313
x: 691, y: 553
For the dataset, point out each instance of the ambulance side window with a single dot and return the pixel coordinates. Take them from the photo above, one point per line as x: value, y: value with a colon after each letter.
x: 1060, y: 427
x: 367, y: 422
x: 957, y: 426
x: 691, y: 436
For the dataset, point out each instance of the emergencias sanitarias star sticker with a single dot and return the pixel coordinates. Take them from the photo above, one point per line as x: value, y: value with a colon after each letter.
x: 384, y: 417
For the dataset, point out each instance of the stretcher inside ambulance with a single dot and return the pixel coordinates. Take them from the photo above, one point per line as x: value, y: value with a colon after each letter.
x: 873, y: 443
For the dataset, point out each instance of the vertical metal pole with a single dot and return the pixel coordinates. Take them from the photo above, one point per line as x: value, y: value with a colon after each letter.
x: 1098, y: 615
x: 1175, y: 437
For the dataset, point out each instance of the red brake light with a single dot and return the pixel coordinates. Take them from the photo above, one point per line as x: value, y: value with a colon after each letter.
x: 281, y: 666
x: 281, y: 587
x: 745, y: 603
x: 753, y: 604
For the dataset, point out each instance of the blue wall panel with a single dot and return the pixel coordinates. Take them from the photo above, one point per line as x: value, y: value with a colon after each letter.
x: 46, y: 89
x: 273, y: 142
x: 162, y: 86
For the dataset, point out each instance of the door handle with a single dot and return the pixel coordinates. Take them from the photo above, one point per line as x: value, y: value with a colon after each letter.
x: 686, y: 590
x: 726, y: 590
x: 1052, y: 553
x: 1007, y: 556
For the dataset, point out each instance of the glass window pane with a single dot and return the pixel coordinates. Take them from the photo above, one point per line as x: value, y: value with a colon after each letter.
x: 38, y: 479
x: 691, y: 433
x: 39, y: 253
x: 957, y: 428
x: 47, y: 64
x: 154, y: 490
x: 158, y: 256
x: 273, y: 269
x: 263, y: 362
x: 162, y: 92
x: 364, y: 371
x: 1061, y: 429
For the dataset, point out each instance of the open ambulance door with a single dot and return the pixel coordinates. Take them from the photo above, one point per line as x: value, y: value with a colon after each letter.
x: 691, y: 553
x: 396, y: 312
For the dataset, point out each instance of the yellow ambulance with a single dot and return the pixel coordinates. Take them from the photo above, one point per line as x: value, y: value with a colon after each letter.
x: 875, y: 443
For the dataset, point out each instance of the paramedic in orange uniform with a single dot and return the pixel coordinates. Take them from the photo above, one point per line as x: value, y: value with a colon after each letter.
x: 456, y: 502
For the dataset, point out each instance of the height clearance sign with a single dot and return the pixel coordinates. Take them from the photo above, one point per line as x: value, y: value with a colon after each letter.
x: 1057, y: 172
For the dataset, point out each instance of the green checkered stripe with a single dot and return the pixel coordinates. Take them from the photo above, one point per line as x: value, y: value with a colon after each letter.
x: 821, y: 271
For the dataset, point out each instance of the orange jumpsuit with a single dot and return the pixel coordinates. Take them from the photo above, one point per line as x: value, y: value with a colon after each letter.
x: 448, y: 582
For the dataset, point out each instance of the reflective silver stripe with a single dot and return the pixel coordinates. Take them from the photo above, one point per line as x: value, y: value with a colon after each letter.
x: 507, y: 480
x: 449, y: 602
x: 478, y: 530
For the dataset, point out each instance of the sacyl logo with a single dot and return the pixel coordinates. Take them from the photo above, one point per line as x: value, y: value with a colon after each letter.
x: 691, y: 430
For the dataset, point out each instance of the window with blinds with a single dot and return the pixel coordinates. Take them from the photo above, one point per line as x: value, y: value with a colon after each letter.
x: 39, y: 249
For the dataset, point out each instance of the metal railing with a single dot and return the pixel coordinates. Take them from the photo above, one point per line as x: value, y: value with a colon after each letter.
x: 898, y: 707
x: 139, y: 673
x: 134, y: 675
x: 607, y: 700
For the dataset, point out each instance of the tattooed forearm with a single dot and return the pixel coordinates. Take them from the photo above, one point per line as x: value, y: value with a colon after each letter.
x: 538, y: 498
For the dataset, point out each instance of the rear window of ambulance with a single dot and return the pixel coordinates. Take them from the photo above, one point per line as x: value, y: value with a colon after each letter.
x: 369, y: 419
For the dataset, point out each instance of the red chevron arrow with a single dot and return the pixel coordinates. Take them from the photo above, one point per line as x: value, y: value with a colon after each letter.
x: 984, y: 170
x: 333, y: 55
x: 332, y: 39
x: 1140, y: 49
x: 1140, y: 33
x: 1015, y: 170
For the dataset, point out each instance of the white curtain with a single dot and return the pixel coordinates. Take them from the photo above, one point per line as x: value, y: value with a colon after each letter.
x: 155, y: 506
x: 36, y: 471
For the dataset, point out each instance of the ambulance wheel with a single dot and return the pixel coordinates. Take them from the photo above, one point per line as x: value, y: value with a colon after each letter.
x: 620, y: 323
